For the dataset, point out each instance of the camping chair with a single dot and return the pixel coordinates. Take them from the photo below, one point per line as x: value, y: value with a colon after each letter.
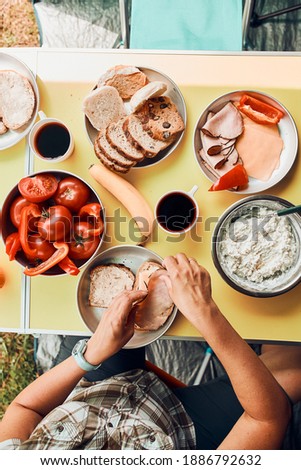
x: 214, y: 25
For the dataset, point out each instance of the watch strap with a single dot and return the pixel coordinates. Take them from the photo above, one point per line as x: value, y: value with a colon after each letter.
x: 78, y: 354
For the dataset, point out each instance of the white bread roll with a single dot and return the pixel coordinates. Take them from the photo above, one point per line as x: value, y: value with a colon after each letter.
x: 17, y: 99
x: 103, y: 106
x: 151, y: 90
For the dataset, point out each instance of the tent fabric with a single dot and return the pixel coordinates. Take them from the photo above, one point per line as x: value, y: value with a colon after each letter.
x: 189, y: 24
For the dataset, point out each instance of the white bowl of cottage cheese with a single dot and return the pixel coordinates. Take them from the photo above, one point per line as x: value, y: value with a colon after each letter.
x: 257, y: 251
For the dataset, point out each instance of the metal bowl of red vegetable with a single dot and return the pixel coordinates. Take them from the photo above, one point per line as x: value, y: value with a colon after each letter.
x: 245, y: 141
x: 53, y: 223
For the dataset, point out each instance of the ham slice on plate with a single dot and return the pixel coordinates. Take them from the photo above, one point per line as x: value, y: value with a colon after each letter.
x: 154, y: 310
x: 259, y: 147
x: 218, y: 166
x: 226, y: 123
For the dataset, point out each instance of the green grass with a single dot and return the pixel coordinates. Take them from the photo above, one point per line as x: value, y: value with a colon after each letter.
x: 17, y: 366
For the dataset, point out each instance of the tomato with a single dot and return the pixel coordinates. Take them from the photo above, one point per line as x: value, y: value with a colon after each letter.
x: 15, y: 213
x: 92, y: 213
x: 38, y: 188
x: 233, y: 178
x: 82, y: 244
x: 259, y: 111
x: 55, y: 223
x: 58, y: 255
x: 72, y: 193
x: 43, y: 249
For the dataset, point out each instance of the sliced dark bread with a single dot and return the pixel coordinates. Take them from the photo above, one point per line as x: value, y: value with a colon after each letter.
x: 117, y: 138
x: 160, y: 118
x: 111, y: 153
x: 106, y: 161
x: 140, y: 138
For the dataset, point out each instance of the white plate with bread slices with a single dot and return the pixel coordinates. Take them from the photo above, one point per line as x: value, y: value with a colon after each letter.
x: 127, y: 267
x: 19, y: 100
x: 134, y: 117
x: 267, y: 151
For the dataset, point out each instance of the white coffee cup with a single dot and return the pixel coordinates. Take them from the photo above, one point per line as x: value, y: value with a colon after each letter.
x: 50, y: 139
x: 177, y: 211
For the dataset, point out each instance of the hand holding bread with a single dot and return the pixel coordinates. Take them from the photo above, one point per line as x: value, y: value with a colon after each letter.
x: 116, y: 327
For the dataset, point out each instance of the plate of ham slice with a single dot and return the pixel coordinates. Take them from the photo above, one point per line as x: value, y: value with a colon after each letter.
x: 153, y: 316
x: 225, y: 137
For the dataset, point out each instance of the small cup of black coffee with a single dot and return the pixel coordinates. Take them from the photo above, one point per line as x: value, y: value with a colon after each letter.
x: 177, y: 211
x: 51, y: 140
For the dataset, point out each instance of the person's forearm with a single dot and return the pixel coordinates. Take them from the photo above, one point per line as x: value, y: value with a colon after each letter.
x: 252, y: 382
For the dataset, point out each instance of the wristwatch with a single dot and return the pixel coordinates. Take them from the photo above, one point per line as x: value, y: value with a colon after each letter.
x: 78, y: 354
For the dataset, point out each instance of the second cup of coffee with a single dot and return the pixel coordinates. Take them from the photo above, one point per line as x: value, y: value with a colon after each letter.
x: 177, y: 211
x: 51, y: 140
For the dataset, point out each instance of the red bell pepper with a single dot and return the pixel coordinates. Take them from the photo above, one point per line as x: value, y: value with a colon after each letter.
x: 259, y: 111
x: 68, y: 266
x: 12, y: 245
x: 233, y: 178
x: 91, y: 212
x: 60, y: 253
x: 27, y: 213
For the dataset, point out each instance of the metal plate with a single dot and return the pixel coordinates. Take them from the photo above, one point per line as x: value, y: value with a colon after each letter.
x: 11, y: 138
x: 8, y: 227
x: 131, y: 256
x: 174, y: 93
x: 287, y: 130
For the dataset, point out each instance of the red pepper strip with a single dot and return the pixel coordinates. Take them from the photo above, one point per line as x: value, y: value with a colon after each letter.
x: 12, y: 245
x: 60, y: 253
x: 27, y: 213
x: 259, y: 111
x: 68, y: 266
x: 92, y: 211
x: 233, y: 178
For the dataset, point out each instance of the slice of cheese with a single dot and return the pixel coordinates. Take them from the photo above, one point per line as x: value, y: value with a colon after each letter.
x: 259, y: 147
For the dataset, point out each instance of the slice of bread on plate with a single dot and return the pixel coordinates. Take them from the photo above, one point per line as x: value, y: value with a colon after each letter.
x: 160, y: 117
x: 111, y: 154
x: 103, y: 106
x: 17, y: 99
x: 127, y: 79
x: 117, y: 138
x: 151, y: 90
x: 140, y: 138
x: 107, y: 281
x: 106, y: 162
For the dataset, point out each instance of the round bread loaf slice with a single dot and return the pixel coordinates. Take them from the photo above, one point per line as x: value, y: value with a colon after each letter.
x: 151, y: 90
x: 127, y: 79
x: 17, y: 99
x: 160, y: 117
x: 140, y: 138
x: 117, y: 138
x: 103, y: 106
x: 107, y: 281
x: 111, y: 153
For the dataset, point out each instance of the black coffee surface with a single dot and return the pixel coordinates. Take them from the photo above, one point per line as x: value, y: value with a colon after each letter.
x: 176, y: 212
x: 52, y: 140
